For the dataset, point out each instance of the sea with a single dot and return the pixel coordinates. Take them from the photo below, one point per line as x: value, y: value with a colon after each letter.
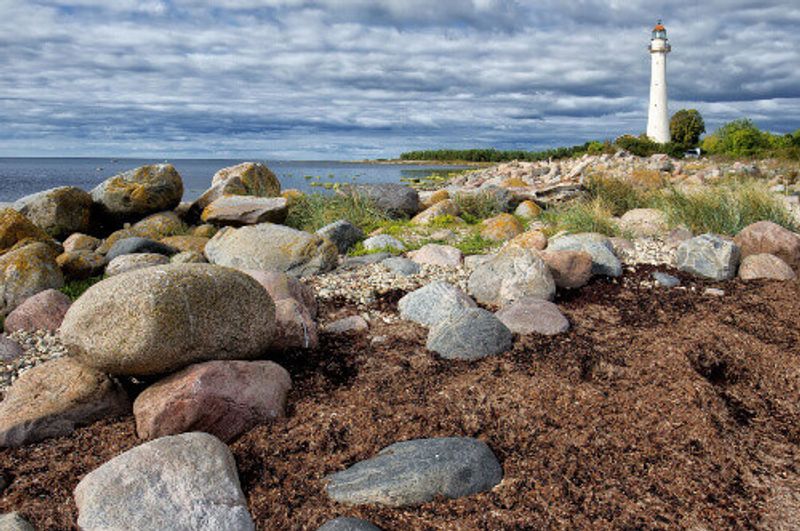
x: 23, y: 176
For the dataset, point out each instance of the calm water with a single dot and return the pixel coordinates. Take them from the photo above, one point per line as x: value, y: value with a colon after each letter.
x: 23, y: 176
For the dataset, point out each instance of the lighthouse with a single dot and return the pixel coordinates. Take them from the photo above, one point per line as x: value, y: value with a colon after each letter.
x: 658, y: 117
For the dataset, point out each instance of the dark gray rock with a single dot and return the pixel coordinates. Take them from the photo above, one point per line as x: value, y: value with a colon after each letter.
x: 344, y: 523
x: 343, y: 234
x: 709, y: 256
x: 401, y: 266
x: 138, y: 245
x: 666, y: 281
x: 14, y: 522
x: 604, y: 261
x: 414, y: 472
x: 433, y: 303
x: 396, y: 199
x: 471, y: 334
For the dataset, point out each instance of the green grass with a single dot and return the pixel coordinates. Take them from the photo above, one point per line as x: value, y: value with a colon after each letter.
x: 475, y: 207
x: 475, y: 244
x: 583, y: 216
x: 75, y: 288
x: 313, y: 211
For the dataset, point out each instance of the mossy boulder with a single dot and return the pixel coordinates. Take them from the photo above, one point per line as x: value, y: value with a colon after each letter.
x: 160, y: 319
x: 16, y: 228
x: 25, y: 272
x: 446, y: 207
x: 139, y: 192
x: 195, y: 244
x: 59, y: 211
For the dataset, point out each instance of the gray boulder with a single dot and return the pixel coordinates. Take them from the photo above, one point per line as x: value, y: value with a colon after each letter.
x: 183, y: 483
x: 269, y: 247
x: 138, y: 245
x: 401, y: 266
x: 604, y: 261
x: 59, y: 211
x: 136, y: 193
x: 533, y: 316
x: 239, y: 210
x: 343, y: 234
x: 14, y: 522
x: 382, y: 242
x: 160, y: 319
x: 512, y: 274
x: 416, y: 471
x: 25, y: 272
x: 471, y: 334
x: 434, y: 303
x: 397, y: 200
x: 344, y: 523
x: 709, y: 256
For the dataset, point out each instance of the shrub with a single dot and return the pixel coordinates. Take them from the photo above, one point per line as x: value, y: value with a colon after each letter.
x: 642, y: 146
x: 313, y: 211
x: 686, y: 126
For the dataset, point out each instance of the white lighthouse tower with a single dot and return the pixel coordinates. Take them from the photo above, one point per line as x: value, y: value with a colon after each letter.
x: 658, y: 117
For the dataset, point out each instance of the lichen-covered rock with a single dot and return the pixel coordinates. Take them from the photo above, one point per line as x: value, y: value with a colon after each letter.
x: 223, y: 398
x: 53, y: 398
x: 25, y: 272
x: 195, y: 244
x: 159, y: 225
x: 59, y: 211
x: 269, y: 247
x: 430, y: 198
x: 139, y: 192
x: 501, y: 227
x: 240, y: 210
x: 434, y: 303
x: 766, y: 237
x: 183, y: 483
x: 512, y: 274
x: 604, y: 261
x: 43, y: 311
x: 205, y: 230
x: 528, y: 210
x: 469, y: 334
x: 765, y: 266
x: 78, y: 265
x: 245, y: 179
x: 131, y: 262
x: 16, y: 229
x: 709, y: 256
x: 160, y: 319
x: 445, y: 207
x: 80, y: 242
x: 343, y: 234
x: 534, y: 240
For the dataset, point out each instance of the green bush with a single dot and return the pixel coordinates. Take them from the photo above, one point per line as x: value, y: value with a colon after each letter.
x: 686, y: 126
x: 474, y: 243
x: 313, y: 211
x: 742, y: 138
x: 642, y: 146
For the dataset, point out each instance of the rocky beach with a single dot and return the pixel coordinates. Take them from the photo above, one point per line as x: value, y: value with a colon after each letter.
x: 563, y: 344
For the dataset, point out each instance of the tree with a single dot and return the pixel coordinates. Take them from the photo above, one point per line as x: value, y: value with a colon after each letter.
x: 686, y: 126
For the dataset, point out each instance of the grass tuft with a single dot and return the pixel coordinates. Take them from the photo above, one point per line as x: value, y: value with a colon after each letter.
x: 313, y: 211
x: 475, y: 207
x: 75, y: 288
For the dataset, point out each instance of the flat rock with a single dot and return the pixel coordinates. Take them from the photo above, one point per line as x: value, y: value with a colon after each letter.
x: 269, y: 247
x: 58, y: 211
x: 239, y: 210
x: 599, y: 247
x: 383, y: 242
x: 433, y: 303
x: 131, y: 262
x: 163, y: 318
x: 294, y: 326
x: 533, y: 316
x: 223, y: 398
x: 25, y: 272
x: 344, y: 523
x: 765, y: 266
x: 471, y: 334
x: 570, y: 269
x: 15, y: 522
x: 401, y: 266
x: 708, y: 256
x: 347, y: 325
x: 137, y: 245
x: 53, y: 398
x: 438, y: 255
x: 43, y: 311
x: 187, y: 482
x: 513, y: 273
x: 414, y: 472
x: 397, y: 200
x: 766, y: 237
x: 343, y: 234
x: 136, y: 193
x: 10, y: 350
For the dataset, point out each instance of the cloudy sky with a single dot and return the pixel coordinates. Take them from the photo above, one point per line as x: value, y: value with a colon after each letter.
x: 343, y: 79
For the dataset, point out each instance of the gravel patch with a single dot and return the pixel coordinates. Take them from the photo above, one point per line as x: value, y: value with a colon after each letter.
x: 38, y: 346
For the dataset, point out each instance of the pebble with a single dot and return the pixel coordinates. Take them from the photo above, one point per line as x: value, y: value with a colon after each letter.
x: 714, y: 292
x: 664, y: 280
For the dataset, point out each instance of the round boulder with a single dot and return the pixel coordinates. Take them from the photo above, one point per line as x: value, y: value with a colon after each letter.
x: 16, y: 229
x: 43, y: 311
x: 770, y: 238
x: 512, y: 274
x: 533, y: 316
x: 139, y: 192
x: 59, y: 211
x: 163, y: 318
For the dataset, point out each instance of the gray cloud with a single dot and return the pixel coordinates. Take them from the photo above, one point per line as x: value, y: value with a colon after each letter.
x: 367, y: 78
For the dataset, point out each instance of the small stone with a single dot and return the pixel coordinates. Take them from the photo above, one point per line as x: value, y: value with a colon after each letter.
x: 443, y: 208
x: 714, y: 292
x: 43, y: 311
x: 240, y: 210
x: 185, y: 482
x: 401, y: 266
x: 429, y: 199
x: 131, y: 262
x: 195, y: 244
x: 383, y: 242
x: 79, y: 265
x: 709, y: 256
x: 443, y: 235
x: 470, y: 334
x: 665, y: 280
x: 434, y: 303
x: 138, y: 245
x: 534, y: 240
x: 188, y: 257
x: 80, y: 242
x: 26, y: 271
x: 344, y: 523
x: 765, y: 266
x: 416, y: 471
x: 528, y: 210
x: 533, y: 316
x: 439, y: 255
x: 343, y: 234
x: 352, y: 324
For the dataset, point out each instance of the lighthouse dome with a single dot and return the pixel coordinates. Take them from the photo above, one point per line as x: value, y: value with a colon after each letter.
x: 660, y: 32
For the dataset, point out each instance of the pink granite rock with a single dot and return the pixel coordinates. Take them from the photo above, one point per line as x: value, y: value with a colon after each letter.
x: 43, y: 311
x: 282, y: 286
x: 223, y: 398
x: 533, y: 316
x: 765, y: 266
x: 570, y: 269
x: 770, y: 238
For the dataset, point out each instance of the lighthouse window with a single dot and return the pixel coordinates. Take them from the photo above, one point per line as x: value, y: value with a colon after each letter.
x: 660, y: 34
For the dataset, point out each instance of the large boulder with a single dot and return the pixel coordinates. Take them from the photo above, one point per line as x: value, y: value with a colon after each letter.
x: 343, y: 234
x: 709, y: 256
x: 271, y: 247
x: 25, y: 272
x: 223, y: 398
x: 53, y: 398
x: 604, y: 261
x: 470, y: 334
x: 512, y: 274
x: 138, y: 192
x: 59, y: 211
x: 765, y: 266
x: 770, y: 238
x: 163, y: 318
x: 397, y: 200
x: 533, y: 316
x: 434, y: 303
x: 247, y: 178
x: 570, y: 269
x: 183, y: 483
x: 240, y: 210
x: 416, y: 471
x: 43, y: 311
x: 16, y: 230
